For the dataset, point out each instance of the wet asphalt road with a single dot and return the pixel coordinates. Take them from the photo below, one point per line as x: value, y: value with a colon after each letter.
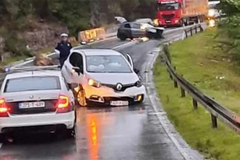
x: 118, y: 133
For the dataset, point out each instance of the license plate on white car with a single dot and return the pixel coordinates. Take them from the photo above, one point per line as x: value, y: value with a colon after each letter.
x: 119, y: 103
x: 26, y: 105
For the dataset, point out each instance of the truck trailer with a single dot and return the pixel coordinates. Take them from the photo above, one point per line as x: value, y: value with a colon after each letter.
x: 180, y: 12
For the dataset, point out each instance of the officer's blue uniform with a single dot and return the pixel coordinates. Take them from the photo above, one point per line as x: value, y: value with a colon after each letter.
x: 64, y: 49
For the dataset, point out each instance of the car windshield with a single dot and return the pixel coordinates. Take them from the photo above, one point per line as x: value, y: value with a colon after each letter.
x: 168, y: 6
x: 32, y: 84
x: 107, y: 64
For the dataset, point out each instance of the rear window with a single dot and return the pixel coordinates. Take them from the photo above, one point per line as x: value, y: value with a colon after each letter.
x: 32, y: 84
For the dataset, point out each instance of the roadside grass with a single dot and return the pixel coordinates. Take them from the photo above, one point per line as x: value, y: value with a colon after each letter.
x: 200, y: 61
x: 12, y: 60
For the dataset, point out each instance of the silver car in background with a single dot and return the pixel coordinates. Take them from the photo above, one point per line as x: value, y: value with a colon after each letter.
x: 138, y: 29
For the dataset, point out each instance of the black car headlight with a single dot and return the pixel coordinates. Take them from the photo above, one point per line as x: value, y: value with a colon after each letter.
x: 138, y: 84
x: 94, y: 83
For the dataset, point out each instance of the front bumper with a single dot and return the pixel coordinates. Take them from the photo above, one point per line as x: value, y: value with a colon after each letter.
x: 104, y: 95
x: 107, y: 101
x: 169, y: 22
x: 37, y: 122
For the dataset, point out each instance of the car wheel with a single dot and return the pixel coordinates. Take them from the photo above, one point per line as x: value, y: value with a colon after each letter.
x: 71, y: 133
x: 158, y: 35
x: 150, y: 35
x: 2, y: 138
x: 6, y: 139
x: 81, y: 98
x: 122, y: 37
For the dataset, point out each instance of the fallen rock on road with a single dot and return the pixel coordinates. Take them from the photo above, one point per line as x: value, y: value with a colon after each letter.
x: 42, y: 60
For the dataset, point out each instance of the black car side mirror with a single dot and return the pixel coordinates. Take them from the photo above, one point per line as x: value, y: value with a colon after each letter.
x: 78, y: 70
x: 136, y: 71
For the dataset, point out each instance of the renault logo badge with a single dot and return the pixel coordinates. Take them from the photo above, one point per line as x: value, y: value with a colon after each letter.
x: 119, y: 86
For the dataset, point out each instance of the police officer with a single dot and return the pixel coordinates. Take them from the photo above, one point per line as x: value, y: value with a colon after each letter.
x: 63, y: 48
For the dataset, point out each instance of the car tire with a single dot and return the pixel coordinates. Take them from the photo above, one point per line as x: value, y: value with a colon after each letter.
x: 81, y: 99
x: 150, y: 35
x: 122, y: 37
x: 158, y: 35
x: 5, y: 138
x: 68, y: 133
x: 2, y: 138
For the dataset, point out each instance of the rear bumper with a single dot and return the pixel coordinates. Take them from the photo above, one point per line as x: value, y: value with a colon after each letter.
x: 37, y: 122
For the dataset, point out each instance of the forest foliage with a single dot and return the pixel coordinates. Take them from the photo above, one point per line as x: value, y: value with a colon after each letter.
x: 77, y: 15
x: 229, y: 27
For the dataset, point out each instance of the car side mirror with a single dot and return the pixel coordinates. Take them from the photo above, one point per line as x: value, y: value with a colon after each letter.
x: 136, y: 71
x: 78, y: 70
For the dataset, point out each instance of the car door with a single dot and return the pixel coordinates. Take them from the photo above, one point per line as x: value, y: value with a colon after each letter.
x: 129, y: 59
x: 137, y: 31
x: 127, y: 30
x: 73, y: 68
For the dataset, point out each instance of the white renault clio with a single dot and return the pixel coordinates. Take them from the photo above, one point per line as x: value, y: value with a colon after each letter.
x: 104, y: 76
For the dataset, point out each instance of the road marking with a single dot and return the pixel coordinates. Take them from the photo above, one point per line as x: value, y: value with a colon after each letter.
x: 125, y: 45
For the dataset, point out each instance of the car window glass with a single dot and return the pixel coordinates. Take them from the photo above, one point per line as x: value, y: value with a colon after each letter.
x: 107, y: 64
x: 32, y: 84
x: 76, y: 60
x: 127, y: 25
x: 136, y: 25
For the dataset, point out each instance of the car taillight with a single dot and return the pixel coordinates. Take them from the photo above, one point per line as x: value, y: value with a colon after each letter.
x: 4, y: 109
x: 63, y: 104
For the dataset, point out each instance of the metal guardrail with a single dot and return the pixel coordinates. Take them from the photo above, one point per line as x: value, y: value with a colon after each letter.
x: 216, y: 110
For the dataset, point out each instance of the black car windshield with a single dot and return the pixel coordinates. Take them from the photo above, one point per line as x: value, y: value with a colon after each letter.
x: 107, y: 64
x: 168, y: 6
x: 32, y: 84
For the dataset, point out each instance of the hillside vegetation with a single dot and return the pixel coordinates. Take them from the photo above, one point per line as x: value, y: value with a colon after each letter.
x: 36, y: 21
x: 228, y: 29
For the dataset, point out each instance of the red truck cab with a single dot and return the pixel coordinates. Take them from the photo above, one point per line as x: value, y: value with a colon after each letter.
x: 169, y: 12
x: 180, y: 12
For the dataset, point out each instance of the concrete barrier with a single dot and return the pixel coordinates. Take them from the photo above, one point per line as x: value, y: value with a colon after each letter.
x: 91, y: 35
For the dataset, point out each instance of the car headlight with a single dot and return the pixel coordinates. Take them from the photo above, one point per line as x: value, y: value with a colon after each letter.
x: 94, y: 83
x: 138, y: 83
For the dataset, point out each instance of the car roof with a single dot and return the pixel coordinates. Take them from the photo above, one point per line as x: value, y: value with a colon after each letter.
x: 33, y: 73
x: 91, y: 52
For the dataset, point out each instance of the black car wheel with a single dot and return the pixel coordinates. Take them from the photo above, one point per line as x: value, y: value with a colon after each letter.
x: 158, y: 35
x: 150, y: 35
x: 122, y: 37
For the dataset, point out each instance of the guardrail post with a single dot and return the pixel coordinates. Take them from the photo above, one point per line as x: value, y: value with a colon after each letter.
x: 201, y: 29
x: 170, y: 76
x: 195, y: 104
x: 175, y: 84
x: 191, y: 31
x: 186, y: 33
x: 196, y: 29
x: 214, y: 121
x: 183, y: 94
